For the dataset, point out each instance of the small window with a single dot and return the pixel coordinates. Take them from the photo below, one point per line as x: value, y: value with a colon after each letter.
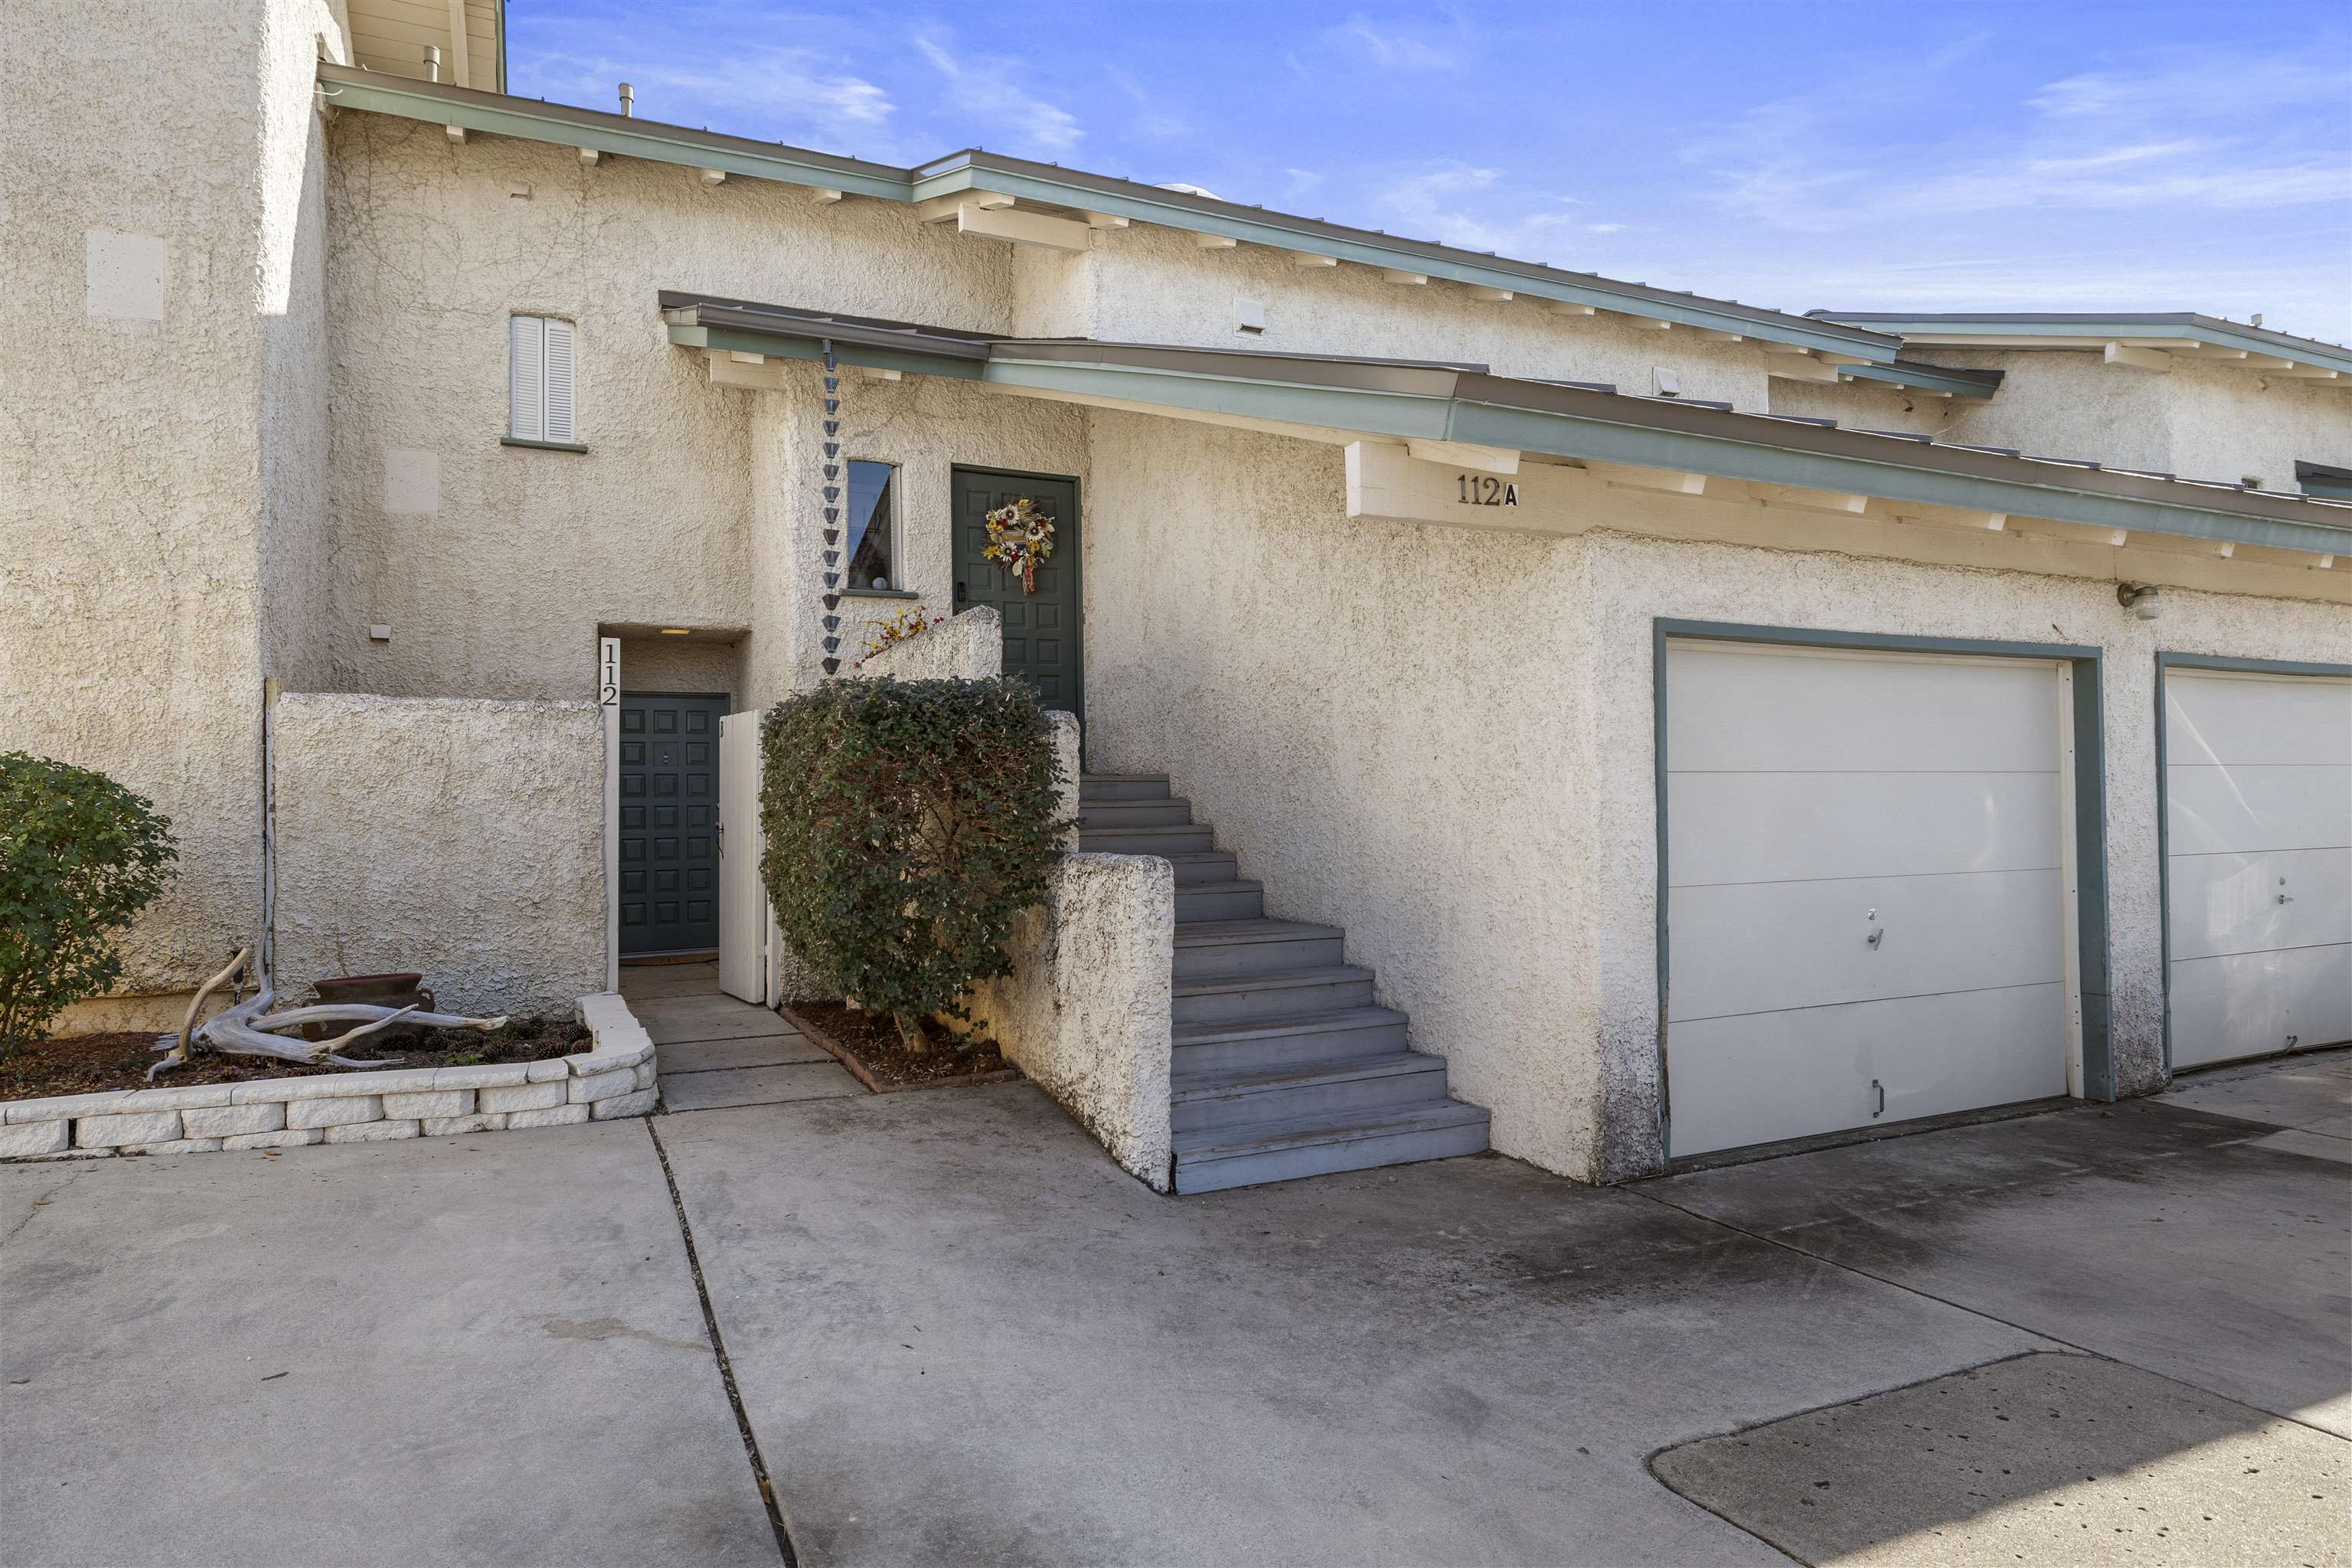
x: 539, y: 379
x: 873, y: 525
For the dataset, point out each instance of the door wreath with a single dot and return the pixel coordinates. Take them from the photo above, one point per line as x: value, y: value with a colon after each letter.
x: 1018, y: 536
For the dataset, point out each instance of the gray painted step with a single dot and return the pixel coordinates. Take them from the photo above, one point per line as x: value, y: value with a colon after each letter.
x: 1122, y: 786
x: 1133, y: 813
x: 1229, y: 1047
x: 1164, y: 839
x: 1236, y: 998
x: 1294, y: 1091
x: 1281, y: 1151
x: 1219, y: 901
x: 1258, y: 946
x: 1198, y: 867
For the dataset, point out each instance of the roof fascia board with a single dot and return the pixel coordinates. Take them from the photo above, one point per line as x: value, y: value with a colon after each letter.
x: 1178, y: 211
x: 1976, y: 384
x: 2089, y: 330
x: 1490, y: 424
x: 784, y: 345
x: 443, y: 103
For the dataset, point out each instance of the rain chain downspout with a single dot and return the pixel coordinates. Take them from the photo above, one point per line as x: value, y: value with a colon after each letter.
x: 831, y: 491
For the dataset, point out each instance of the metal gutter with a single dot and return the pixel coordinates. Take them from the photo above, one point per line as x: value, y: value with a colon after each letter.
x: 536, y: 119
x: 2124, y: 327
x: 1950, y: 381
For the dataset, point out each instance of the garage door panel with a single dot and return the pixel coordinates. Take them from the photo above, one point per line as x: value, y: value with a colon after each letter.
x: 1740, y: 710
x: 1759, y: 827
x: 2230, y: 903
x: 1734, y: 1081
x: 2235, y: 720
x: 2250, y: 806
x: 2246, y: 1005
x: 1764, y: 946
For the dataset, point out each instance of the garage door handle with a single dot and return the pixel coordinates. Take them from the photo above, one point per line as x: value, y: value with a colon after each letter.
x: 1873, y: 938
x: 1880, y: 1089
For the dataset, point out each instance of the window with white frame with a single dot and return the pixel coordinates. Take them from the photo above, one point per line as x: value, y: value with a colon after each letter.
x: 539, y: 379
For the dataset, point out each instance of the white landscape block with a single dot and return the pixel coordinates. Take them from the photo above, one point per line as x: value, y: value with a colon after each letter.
x: 65, y: 1105
x: 645, y: 1074
x: 439, y: 1102
x: 445, y: 1126
x: 551, y: 1069
x: 113, y: 1131
x: 233, y: 1120
x: 371, y: 1132
x: 502, y: 1076
x: 176, y: 1146
x: 521, y: 1097
x: 32, y: 1138
x: 272, y: 1140
x: 637, y: 1102
x: 338, y: 1112
x: 604, y: 1086
x: 194, y: 1096
x: 555, y: 1116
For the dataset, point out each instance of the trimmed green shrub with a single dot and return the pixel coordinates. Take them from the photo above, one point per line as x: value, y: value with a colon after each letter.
x: 907, y: 823
x: 80, y: 856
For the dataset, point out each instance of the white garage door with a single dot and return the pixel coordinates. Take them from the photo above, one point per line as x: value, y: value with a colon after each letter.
x: 2258, y: 841
x: 1867, y: 889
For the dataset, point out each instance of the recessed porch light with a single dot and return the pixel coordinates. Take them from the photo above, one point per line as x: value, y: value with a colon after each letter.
x: 676, y: 632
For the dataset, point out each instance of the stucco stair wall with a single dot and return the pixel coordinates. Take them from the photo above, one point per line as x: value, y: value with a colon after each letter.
x: 1283, y: 1064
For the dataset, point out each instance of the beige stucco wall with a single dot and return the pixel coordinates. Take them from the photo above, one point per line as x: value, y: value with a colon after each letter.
x: 499, y: 588
x: 460, y: 838
x: 160, y: 386
x: 703, y: 665
x: 1470, y: 792
x: 967, y: 646
x: 1085, y: 1011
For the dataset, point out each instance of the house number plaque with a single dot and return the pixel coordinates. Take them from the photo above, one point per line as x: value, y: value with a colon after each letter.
x: 608, y: 671
x: 1486, y: 490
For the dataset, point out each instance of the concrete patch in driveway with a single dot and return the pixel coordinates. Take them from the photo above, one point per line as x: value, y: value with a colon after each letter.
x: 438, y: 1350
x: 725, y: 1087
x: 962, y: 1335
x: 2162, y: 1237
x: 764, y: 1051
x: 2045, y: 1458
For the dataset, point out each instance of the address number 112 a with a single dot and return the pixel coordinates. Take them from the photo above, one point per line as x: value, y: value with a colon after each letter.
x: 1486, y: 490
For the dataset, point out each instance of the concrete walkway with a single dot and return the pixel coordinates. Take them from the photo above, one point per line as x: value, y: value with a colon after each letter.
x: 717, y: 1052
x: 958, y: 1333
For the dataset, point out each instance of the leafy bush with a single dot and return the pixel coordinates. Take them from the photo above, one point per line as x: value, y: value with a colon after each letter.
x: 79, y: 857
x: 907, y: 823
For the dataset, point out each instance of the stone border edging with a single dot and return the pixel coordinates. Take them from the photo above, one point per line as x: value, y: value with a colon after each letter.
x: 618, y: 1076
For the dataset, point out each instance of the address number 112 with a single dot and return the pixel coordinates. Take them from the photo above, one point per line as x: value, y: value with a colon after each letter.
x: 1486, y: 490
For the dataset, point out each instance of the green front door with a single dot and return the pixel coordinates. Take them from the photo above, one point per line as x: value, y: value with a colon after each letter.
x: 669, y: 822
x: 1041, y: 629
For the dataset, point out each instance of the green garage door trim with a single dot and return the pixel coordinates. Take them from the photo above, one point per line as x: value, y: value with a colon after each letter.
x: 2168, y: 661
x: 2090, y: 812
x: 668, y: 870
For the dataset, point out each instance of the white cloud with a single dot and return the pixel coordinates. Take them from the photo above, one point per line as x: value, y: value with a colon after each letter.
x: 986, y: 87
x: 1477, y: 209
x: 1393, y: 45
x: 773, y: 90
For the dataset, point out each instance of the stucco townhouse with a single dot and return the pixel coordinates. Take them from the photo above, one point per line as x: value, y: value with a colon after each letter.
x: 1610, y: 725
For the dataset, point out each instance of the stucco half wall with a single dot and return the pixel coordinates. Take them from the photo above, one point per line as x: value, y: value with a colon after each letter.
x: 460, y: 838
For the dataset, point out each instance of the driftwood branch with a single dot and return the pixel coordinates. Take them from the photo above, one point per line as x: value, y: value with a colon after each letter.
x: 248, y: 1029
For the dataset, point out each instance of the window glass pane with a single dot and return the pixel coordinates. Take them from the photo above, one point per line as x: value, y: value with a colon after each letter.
x: 869, y: 525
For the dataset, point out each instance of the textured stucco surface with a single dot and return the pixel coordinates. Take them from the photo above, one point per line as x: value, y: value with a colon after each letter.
x: 1472, y: 793
x: 1085, y: 1012
x: 460, y: 838
x: 163, y: 420
x: 701, y: 665
x: 498, y: 592
x: 967, y: 647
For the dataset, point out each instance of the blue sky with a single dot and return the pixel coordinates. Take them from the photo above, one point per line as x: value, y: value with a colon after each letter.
x: 2054, y: 155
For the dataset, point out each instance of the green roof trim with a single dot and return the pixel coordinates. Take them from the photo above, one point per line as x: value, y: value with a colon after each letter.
x: 2129, y: 327
x: 535, y: 119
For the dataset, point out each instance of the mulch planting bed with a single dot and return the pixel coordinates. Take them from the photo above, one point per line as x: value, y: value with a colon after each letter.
x: 867, y: 1044
x: 91, y: 1064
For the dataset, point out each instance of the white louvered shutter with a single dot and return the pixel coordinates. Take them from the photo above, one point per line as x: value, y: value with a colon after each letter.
x: 558, y: 382
x: 526, y: 350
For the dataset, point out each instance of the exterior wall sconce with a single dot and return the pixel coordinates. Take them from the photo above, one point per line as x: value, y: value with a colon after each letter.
x: 2141, y: 600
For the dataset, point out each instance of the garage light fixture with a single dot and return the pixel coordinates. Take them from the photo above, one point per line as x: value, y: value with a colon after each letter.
x: 681, y: 631
x: 2141, y: 600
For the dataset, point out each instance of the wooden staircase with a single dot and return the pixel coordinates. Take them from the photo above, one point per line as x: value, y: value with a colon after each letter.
x: 1284, y: 1065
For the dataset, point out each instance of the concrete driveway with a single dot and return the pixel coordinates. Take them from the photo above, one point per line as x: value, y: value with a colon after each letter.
x: 957, y: 1333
